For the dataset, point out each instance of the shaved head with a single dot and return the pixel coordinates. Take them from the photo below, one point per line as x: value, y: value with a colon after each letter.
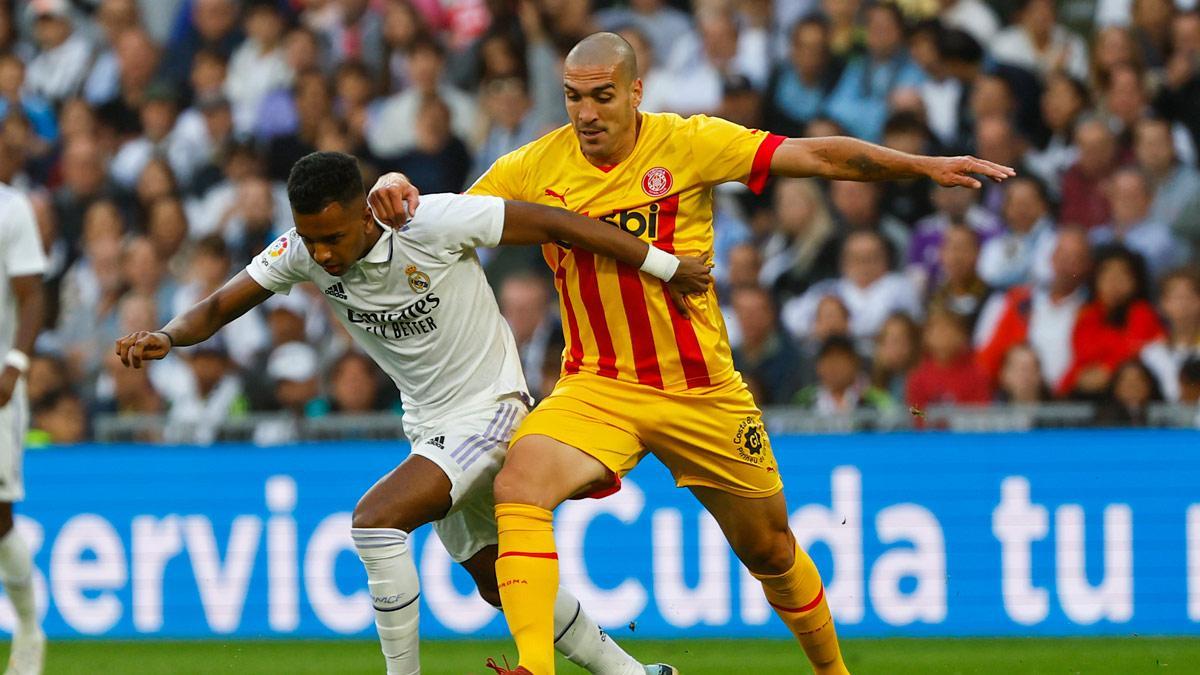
x: 605, y: 50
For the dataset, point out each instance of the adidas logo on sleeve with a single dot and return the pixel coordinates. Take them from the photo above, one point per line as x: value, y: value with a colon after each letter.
x: 336, y: 291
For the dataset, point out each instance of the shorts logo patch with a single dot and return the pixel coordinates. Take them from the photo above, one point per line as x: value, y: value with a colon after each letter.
x: 438, y: 442
x: 657, y: 182
x: 752, y: 445
x: 417, y: 280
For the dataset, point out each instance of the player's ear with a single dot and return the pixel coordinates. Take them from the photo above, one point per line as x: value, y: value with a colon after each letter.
x: 368, y: 218
x: 635, y: 93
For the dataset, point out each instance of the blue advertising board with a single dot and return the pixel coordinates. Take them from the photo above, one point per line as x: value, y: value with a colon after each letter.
x: 1045, y: 533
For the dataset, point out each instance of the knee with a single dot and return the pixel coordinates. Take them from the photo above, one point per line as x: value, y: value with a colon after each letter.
x: 511, y: 486
x: 768, y: 555
x: 368, y: 515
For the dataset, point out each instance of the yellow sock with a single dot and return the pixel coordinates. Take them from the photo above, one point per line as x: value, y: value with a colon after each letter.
x: 799, y: 599
x: 527, y: 570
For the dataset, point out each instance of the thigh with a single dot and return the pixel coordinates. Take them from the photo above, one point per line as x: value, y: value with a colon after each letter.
x: 14, y: 422
x: 412, y: 494
x: 715, y: 440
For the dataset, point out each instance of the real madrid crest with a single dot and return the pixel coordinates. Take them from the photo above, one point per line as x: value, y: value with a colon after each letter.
x: 417, y: 280
x: 657, y: 182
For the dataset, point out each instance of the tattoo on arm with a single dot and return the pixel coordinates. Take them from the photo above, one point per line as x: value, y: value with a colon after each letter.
x: 866, y: 168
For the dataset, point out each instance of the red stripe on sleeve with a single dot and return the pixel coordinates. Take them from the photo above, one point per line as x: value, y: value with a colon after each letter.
x: 575, y: 353
x: 645, y: 356
x: 760, y: 169
x: 695, y: 371
x: 589, y: 290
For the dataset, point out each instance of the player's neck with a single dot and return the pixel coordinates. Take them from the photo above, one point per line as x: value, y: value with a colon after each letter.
x: 621, y: 152
x: 372, y: 239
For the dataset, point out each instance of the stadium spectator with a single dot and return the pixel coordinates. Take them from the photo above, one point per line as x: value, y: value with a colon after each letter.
x: 1179, y: 305
x: 1189, y: 383
x: 803, y: 244
x: 832, y: 318
x: 525, y: 303
x: 1083, y: 199
x: 138, y: 59
x: 1064, y: 100
x: 208, y: 268
x: 1039, y: 43
x: 144, y: 273
x: 258, y: 65
x: 1114, y: 326
x: 211, y: 24
x: 959, y: 289
x: 392, y: 130
x: 905, y: 130
x: 202, y: 396
x: 1131, y: 391
x: 64, y: 53
x: 1044, y: 316
x: 277, y: 115
x: 14, y: 96
x: 799, y: 86
x: 47, y: 375
x: 292, y: 369
x: 670, y: 31
x: 858, y: 208
x: 842, y: 387
x: 113, y: 17
x: 84, y: 181
x: 510, y: 122
x: 1018, y: 255
x: 61, y: 419
x: 355, y: 386
x: 974, y: 16
x: 1131, y: 225
x: 865, y: 287
x: 997, y: 140
x: 765, y: 356
x: 947, y: 373
x: 1021, y: 381
x: 313, y: 99
x: 1181, y: 83
x: 859, y: 102
x: 956, y: 207
x: 440, y: 161
x: 1176, y: 186
x: 897, y: 352
x: 157, y: 117
x: 846, y: 32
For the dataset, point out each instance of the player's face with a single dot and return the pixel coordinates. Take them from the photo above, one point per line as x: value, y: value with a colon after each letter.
x: 602, y: 103
x: 337, y: 236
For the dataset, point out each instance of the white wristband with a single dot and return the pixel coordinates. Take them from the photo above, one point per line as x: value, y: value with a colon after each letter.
x: 17, y: 359
x: 659, y: 263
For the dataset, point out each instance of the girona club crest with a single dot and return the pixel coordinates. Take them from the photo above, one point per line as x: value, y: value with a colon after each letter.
x: 657, y: 182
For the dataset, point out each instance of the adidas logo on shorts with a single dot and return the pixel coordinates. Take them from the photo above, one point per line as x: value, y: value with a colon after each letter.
x: 438, y: 442
x: 336, y: 291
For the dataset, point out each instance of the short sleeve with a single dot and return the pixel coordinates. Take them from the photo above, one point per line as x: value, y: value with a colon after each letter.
x: 504, y: 179
x: 22, y: 243
x: 449, y: 223
x: 281, y: 265
x: 730, y: 152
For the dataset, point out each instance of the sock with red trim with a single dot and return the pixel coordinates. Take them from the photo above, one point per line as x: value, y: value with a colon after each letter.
x: 799, y: 599
x: 527, y: 571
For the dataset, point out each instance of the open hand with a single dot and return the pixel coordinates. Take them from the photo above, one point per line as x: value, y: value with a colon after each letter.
x: 692, y: 277
x: 143, y: 346
x: 394, y: 199
x: 960, y: 171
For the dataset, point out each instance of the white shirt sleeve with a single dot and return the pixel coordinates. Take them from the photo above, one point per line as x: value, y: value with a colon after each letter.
x: 448, y: 223
x: 281, y: 265
x: 22, y: 243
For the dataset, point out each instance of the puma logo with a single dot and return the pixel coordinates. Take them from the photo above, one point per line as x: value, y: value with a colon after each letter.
x: 562, y: 198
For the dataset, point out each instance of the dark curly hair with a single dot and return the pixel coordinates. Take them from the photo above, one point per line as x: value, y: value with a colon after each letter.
x: 322, y: 178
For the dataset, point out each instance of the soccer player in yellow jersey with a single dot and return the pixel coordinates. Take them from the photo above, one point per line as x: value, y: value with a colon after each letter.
x: 640, y: 376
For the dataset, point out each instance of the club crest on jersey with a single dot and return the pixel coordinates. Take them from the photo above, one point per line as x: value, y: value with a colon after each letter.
x: 278, y: 248
x: 417, y: 280
x: 657, y: 182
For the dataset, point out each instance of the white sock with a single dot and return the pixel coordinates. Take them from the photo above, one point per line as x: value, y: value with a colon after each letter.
x: 577, y: 637
x: 16, y: 573
x: 395, y: 588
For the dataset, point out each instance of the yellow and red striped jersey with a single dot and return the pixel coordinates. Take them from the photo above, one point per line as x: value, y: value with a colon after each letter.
x: 618, y: 322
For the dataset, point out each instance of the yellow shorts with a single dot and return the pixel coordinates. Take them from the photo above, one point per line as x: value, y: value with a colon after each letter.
x: 712, y: 437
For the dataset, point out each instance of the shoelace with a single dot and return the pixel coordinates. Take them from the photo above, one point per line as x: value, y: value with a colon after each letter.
x: 491, y: 663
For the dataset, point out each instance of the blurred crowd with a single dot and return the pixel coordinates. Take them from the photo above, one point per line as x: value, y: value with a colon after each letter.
x: 154, y: 136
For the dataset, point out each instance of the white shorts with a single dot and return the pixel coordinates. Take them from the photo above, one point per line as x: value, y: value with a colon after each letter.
x: 470, y: 447
x: 14, y: 422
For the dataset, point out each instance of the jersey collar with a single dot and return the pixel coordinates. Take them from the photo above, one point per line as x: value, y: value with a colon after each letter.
x: 381, y: 252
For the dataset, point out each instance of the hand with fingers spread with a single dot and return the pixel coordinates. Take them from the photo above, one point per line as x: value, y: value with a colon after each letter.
x: 961, y: 171
x: 143, y: 345
x: 394, y: 199
x: 692, y: 277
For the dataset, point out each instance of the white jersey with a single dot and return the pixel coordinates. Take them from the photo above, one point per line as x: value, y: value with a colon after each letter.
x: 419, y: 305
x: 20, y: 255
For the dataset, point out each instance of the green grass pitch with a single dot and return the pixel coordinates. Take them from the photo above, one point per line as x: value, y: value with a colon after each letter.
x: 1123, y: 656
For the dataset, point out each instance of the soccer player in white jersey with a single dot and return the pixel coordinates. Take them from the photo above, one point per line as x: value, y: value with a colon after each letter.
x: 21, y: 265
x: 417, y: 302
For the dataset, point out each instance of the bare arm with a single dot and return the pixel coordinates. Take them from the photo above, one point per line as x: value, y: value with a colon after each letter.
x: 27, y: 290
x: 844, y: 158
x: 238, y: 296
x: 526, y: 223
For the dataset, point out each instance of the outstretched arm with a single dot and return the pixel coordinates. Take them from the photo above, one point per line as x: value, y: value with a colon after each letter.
x: 526, y: 223
x: 844, y: 158
x: 238, y: 296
